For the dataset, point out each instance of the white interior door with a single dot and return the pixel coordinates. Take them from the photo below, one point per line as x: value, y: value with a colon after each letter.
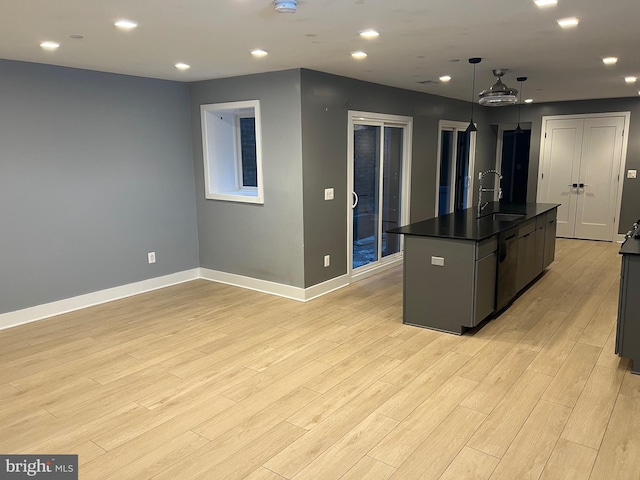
x: 561, y: 164
x: 580, y: 168
x: 598, y: 178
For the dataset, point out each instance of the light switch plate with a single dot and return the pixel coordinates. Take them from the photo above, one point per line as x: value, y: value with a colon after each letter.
x: 438, y: 261
x: 328, y: 193
x: 631, y: 173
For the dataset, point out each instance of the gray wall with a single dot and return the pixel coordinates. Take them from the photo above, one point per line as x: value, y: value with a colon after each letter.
x: 630, y: 209
x: 95, y: 171
x: 325, y: 101
x: 258, y: 241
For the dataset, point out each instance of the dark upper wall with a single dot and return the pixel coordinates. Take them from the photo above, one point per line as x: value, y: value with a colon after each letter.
x: 325, y: 101
x: 630, y: 209
x: 95, y: 171
x: 257, y: 241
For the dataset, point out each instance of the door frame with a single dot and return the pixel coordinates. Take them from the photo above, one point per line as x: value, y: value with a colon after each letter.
x: 382, y: 120
x: 621, y: 167
x: 455, y: 125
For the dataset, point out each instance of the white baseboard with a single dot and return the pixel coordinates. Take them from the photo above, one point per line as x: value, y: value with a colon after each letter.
x: 39, y: 312
x: 323, y: 288
x: 264, y: 286
x: 47, y: 310
x: 273, y: 288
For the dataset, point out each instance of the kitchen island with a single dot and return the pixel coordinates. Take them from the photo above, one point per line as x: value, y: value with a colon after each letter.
x: 460, y: 269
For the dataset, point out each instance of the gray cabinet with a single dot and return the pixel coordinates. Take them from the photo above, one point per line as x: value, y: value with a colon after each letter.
x: 485, y: 287
x: 549, y: 239
x: 449, y: 284
x: 530, y: 252
x: 628, y: 327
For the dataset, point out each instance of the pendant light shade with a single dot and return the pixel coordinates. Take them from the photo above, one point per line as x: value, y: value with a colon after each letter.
x: 474, y: 61
x: 521, y: 80
x: 499, y: 94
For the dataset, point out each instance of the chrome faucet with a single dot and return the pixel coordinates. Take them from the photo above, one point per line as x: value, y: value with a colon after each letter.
x: 481, y: 206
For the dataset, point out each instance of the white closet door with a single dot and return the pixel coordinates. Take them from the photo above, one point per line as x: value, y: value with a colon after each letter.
x: 580, y: 165
x: 598, y: 178
x: 560, y: 169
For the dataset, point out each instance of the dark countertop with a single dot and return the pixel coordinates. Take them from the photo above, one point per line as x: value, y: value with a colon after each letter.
x: 464, y: 225
x: 631, y: 246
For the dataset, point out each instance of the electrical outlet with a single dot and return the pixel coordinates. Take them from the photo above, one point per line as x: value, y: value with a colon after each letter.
x: 327, y: 260
x: 151, y: 256
x: 328, y: 193
x: 631, y: 173
x: 438, y: 261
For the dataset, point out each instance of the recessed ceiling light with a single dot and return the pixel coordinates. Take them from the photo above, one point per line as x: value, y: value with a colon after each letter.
x: 182, y: 66
x: 445, y: 78
x: 49, y: 45
x: 529, y: 100
x: 546, y: 3
x: 258, y: 52
x: 126, y: 24
x: 630, y: 79
x: 76, y: 36
x: 369, y: 33
x: 568, y: 22
x: 359, y: 55
x: 610, y: 60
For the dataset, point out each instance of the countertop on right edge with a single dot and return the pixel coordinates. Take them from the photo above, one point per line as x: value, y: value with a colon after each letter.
x: 631, y: 246
x: 465, y: 224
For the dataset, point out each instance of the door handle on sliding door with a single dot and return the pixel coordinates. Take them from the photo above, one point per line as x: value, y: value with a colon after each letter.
x: 355, y: 200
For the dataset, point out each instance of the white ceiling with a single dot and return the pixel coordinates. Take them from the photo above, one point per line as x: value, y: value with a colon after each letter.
x: 418, y: 41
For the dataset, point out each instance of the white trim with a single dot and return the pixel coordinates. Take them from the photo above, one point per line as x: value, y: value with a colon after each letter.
x: 621, y: 168
x: 47, y: 310
x: 264, y: 286
x: 39, y: 312
x: 323, y: 288
x: 394, y: 260
x: 219, y: 167
x: 273, y: 288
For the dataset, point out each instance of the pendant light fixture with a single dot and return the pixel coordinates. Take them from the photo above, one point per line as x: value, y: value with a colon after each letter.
x: 474, y: 61
x: 521, y: 80
x: 499, y: 94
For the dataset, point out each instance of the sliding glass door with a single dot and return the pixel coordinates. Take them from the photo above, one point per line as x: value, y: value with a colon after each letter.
x: 378, y: 164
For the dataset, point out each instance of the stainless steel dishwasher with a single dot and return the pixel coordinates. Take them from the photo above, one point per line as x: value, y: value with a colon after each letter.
x: 507, y: 267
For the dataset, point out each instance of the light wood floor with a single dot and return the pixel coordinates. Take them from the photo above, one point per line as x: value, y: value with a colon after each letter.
x: 208, y: 381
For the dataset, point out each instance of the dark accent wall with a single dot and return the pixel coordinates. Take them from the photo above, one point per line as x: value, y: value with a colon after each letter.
x: 258, y: 241
x: 326, y: 100
x: 96, y: 170
x: 533, y: 113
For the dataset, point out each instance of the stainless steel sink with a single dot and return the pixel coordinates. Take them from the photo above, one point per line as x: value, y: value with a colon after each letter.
x: 507, y: 217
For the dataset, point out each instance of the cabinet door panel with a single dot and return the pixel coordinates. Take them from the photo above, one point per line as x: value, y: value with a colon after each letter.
x: 485, y: 301
x: 549, y: 244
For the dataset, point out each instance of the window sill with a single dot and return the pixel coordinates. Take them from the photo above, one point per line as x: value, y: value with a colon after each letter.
x: 242, y: 196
